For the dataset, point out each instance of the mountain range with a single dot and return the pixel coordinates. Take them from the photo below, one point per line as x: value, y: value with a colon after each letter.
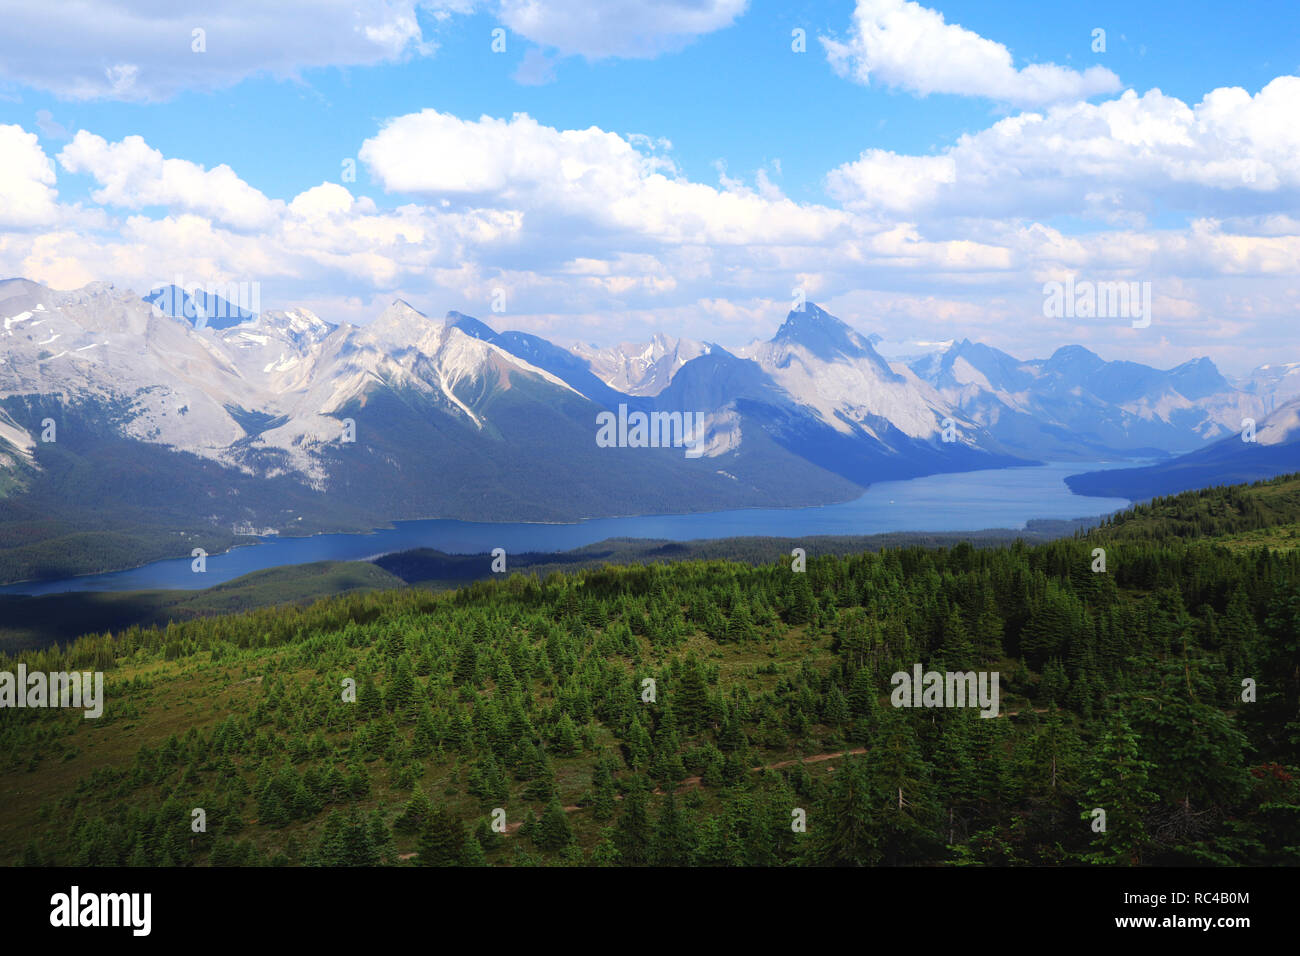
x: 167, y: 428
x: 1272, y: 448
x: 1077, y: 406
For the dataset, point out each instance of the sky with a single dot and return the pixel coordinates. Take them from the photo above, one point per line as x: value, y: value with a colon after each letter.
x: 603, y: 172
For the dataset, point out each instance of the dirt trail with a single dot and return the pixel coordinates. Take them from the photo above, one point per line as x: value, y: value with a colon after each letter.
x: 818, y: 758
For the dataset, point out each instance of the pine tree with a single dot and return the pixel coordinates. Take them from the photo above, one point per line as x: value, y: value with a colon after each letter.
x: 692, y: 696
x: 837, y: 708
x: 898, y: 771
x: 603, y: 792
x: 632, y: 830
x: 358, y: 848
x: 954, y: 766
x: 369, y: 702
x: 1116, y: 782
x: 566, y: 736
x: 956, y: 650
x: 553, y: 831
x: 399, y: 688
x: 846, y: 832
x: 443, y: 840
x: 671, y: 835
x: 863, y: 701
x: 416, y: 814
x: 988, y: 627
x: 466, y: 670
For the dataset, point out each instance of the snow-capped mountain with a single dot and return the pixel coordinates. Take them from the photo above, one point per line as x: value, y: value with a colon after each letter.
x: 1077, y: 405
x: 273, y: 384
x: 571, y: 369
x: 285, y: 420
x: 828, y: 367
x: 640, y: 369
x: 1274, y: 385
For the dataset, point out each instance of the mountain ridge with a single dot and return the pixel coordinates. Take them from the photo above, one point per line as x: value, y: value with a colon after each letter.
x: 288, y: 421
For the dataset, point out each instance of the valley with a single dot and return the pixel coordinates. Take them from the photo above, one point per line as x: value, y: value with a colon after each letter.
x: 170, y: 435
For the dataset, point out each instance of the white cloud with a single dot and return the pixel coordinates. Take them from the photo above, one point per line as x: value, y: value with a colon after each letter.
x: 141, y: 50
x: 595, y: 231
x: 589, y: 178
x: 133, y: 175
x: 617, y: 28
x: 1118, y: 161
x: 27, y: 194
x: 320, y: 201
x: 906, y: 45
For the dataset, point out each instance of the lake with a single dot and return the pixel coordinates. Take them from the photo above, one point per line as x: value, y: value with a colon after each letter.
x: 970, y: 501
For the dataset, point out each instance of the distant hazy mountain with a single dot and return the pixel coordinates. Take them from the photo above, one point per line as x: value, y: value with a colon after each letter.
x: 1076, y: 405
x: 844, y: 407
x: 1274, y: 385
x: 1275, y: 451
x: 201, y: 309
x: 640, y: 369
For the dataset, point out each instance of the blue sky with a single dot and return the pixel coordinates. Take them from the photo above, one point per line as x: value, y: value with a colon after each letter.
x: 846, y: 174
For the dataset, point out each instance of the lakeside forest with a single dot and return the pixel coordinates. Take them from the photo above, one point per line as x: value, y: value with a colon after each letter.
x: 1121, y: 690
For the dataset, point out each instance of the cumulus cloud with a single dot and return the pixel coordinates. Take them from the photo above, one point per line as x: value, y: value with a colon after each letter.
x: 133, y: 175
x: 905, y: 45
x: 598, y: 231
x: 617, y: 28
x: 140, y: 50
x: 27, y: 193
x: 1115, y: 160
x: 594, y: 178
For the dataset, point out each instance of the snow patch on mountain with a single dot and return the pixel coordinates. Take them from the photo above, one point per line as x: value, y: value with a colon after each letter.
x: 833, y: 370
x: 180, y: 383
x: 640, y: 369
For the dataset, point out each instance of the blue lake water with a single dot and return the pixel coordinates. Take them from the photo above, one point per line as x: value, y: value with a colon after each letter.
x: 970, y: 501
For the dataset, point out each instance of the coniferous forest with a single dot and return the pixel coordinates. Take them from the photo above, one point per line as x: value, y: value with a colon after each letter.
x: 708, y: 713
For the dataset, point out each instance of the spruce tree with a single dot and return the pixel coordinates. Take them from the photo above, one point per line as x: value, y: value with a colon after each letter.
x: 1117, y: 783
x: 632, y: 830
x: 553, y: 831
x: 443, y: 840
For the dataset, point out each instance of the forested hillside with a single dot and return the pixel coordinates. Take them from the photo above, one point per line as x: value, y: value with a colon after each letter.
x: 1121, y: 690
x: 1222, y: 512
x: 28, y: 622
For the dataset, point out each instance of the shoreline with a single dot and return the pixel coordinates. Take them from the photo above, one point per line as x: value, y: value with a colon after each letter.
x: 395, y: 525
